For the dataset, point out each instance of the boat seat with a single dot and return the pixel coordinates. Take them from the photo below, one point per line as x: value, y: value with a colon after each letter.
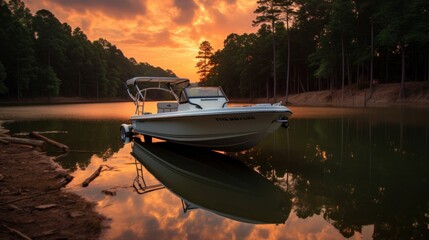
x: 167, y: 107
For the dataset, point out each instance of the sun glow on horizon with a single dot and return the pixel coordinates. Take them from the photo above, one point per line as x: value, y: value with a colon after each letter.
x: 165, y: 33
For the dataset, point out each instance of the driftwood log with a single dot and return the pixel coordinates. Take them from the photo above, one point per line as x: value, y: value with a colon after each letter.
x: 92, y: 177
x: 50, y: 141
x: 22, y: 235
x: 31, y: 142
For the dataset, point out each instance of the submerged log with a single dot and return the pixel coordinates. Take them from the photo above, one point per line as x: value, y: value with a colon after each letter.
x: 92, y: 177
x: 61, y: 146
x: 35, y: 143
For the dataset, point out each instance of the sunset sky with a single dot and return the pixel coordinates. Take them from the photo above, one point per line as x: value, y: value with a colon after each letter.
x: 164, y: 33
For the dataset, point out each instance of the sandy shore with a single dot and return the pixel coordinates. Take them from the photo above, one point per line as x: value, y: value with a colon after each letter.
x: 33, y: 203
x: 383, y: 95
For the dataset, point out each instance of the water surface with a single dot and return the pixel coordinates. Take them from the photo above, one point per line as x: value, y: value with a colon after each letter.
x: 335, y: 173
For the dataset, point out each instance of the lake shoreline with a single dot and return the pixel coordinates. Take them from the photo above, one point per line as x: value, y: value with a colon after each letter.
x: 33, y: 201
x: 383, y: 95
x: 58, y: 100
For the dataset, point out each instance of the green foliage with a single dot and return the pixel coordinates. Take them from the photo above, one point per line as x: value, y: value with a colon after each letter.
x: 48, y: 79
x: 330, y: 45
x: 17, y: 54
x: 43, y: 57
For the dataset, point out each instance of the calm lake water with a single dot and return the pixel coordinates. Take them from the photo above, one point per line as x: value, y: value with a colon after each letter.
x: 335, y: 173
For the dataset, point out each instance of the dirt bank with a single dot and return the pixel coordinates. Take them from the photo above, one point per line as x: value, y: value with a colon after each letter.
x: 32, y: 203
x: 383, y: 95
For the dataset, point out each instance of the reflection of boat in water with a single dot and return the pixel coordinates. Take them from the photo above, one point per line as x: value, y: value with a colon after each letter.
x: 199, y: 116
x: 215, y: 182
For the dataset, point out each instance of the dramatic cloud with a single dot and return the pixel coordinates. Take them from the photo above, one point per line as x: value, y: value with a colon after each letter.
x: 186, y: 9
x: 114, y: 8
x: 164, y: 33
x: 160, y: 39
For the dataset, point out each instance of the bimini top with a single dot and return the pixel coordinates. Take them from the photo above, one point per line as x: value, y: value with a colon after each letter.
x: 171, y: 80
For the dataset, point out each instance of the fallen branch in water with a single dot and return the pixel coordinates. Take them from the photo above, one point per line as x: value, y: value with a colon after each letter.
x: 66, y: 180
x: 107, y: 192
x: 34, y: 143
x: 50, y: 141
x: 92, y: 177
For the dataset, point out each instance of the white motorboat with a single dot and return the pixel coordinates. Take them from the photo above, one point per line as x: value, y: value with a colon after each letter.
x: 199, y: 116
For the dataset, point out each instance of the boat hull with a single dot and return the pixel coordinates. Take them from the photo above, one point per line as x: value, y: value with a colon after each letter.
x: 226, y: 129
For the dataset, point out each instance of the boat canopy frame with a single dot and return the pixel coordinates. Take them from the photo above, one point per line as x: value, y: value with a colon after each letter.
x: 140, y: 96
x: 170, y: 83
x: 170, y: 80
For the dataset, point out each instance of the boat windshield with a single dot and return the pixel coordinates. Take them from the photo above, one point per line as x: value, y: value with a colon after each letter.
x: 199, y: 92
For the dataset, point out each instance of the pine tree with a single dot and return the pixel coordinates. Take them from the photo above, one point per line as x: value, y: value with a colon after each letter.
x: 204, y: 64
x: 269, y: 12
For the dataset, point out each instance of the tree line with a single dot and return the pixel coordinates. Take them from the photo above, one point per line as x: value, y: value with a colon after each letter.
x: 307, y: 45
x: 40, y: 56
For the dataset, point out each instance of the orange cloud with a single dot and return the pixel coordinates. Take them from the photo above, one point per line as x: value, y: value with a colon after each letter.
x: 187, y: 9
x: 164, y: 33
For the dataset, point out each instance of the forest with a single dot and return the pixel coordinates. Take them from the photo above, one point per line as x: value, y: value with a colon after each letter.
x: 322, y: 45
x: 298, y: 46
x: 40, y: 56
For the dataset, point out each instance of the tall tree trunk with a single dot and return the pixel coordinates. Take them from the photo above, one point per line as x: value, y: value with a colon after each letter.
x: 342, y: 68
x: 416, y: 61
x: 268, y: 93
x: 251, y: 90
x: 349, y: 75
x: 97, y: 85
x: 18, y: 82
x: 387, y: 67
x: 372, y: 59
x: 428, y: 66
x: 402, y: 91
x: 295, y: 78
x: 288, y: 57
x: 308, y: 87
x: 80, y: 93
x: 357, y: 74
x: 274, y: 63
x: 49, y: 57
x: 318, y: 79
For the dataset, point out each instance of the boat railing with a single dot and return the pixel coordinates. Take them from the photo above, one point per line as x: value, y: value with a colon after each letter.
x: 139, y: 102
x: 140, y: 98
